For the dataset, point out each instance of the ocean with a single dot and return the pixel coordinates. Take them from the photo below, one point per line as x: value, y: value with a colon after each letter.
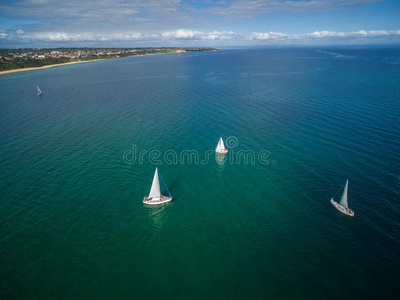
x: 256, y: 223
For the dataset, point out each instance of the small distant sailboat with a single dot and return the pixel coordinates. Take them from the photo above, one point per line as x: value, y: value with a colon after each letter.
x: 343, y: 206
x: 155, y: 196
x: 39, y: 92
x: 221, y: 147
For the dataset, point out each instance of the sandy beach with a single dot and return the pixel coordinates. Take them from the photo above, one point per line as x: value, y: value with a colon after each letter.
x: 45, y: 67
x: 69, y: 63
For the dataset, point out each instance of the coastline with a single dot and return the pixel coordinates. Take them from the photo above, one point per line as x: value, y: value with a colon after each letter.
x: 45, y: 67
x: 72, y: 62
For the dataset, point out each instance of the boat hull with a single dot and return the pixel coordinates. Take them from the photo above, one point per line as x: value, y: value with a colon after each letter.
x: 156, y: 201
x: 222, y: 151
x: 342, y: 209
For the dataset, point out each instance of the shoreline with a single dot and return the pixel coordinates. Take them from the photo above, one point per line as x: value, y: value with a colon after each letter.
x: 45, y: 67
x: 70, y: 63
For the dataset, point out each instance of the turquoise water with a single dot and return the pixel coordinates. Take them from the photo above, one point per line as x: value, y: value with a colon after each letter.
x: 76, y: 162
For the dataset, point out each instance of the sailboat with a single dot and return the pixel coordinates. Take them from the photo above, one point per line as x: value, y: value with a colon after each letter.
x: 155, y: 196
x: 343, y: 206
x: 39, y: 92
x: 221, y: 147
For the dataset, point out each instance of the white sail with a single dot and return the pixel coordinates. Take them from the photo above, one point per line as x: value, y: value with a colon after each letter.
x: 343, y: 200
x: 220, y: 147
x: 39, y: 92
x: 155, y: 187
x: 221, y: 142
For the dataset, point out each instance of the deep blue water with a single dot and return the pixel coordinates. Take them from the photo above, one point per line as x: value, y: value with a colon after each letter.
x: 75, y: 164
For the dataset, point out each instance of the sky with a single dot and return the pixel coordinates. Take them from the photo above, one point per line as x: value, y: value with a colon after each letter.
x: 196, y: 23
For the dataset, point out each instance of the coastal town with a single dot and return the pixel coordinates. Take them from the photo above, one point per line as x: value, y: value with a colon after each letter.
x: 11, y: 59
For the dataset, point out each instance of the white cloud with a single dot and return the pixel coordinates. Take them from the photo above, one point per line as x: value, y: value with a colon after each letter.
x: 181, y: 34
x: 326, y: 36
x: 185, y: 35
x: 83, y: 37
x: 268, y: 36
x: 353, y: 34
x: 222, y: 35
x: 3, y: 34
x: 199, y: 35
